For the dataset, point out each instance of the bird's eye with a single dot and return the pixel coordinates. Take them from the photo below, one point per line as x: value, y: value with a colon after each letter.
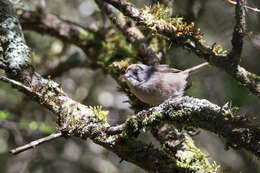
x: 135, y: 71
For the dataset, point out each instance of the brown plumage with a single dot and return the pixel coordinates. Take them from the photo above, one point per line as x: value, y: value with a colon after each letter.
x: 154, y: 84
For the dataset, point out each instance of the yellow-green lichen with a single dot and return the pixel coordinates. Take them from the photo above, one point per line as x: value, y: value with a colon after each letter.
x: 119, y: 67
x: 85, y: 35
x: 218, y: 50
x: 229, y: 111
x: 192, y: 158
x: 153, y: 120
x: 115, y: 48
x: 131, y: 127
x: 100, y: 114
x: 158, y: 17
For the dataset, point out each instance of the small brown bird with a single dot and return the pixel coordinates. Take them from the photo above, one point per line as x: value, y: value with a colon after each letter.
x: 154, y: 84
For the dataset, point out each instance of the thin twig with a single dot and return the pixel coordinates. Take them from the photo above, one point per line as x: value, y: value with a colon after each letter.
x: 35, y: 143
x: 17, y: 84
x: 247, y: 7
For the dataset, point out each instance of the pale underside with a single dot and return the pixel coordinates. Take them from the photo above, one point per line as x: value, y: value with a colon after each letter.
x: 154, y: 91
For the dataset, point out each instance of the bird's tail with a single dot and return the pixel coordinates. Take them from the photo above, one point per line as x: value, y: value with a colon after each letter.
x: 197, y: 68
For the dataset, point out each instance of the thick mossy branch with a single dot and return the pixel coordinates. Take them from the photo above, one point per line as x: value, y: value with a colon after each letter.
x: 247, y: 79
x: 16, y: 53
x: 84, y: 124
x: 181, y: 145
x: 188, y: 111
x: 157, y: 19
x: 79, y: 120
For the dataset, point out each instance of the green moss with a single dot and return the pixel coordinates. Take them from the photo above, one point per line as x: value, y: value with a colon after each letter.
x: 153, y: 120
x: 229, y: 111
x: 85, y: 35
x: 192, y: 158
x: 131, y: 127
x: 158, y: 18
x: 218, y: 50
x: 114, y: 48
x: 100, y: 114
x: 252, y: 76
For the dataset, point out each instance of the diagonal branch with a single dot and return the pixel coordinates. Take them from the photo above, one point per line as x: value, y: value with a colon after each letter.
x: 174, y: 141
x: 78, y: 120
x: 187, y: 111
x: 35, y: 143
x: 132, y: 33
x: 161, y: 23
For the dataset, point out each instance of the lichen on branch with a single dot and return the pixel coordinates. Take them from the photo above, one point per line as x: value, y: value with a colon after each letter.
x: 157, y: 18
x: 16, y: 54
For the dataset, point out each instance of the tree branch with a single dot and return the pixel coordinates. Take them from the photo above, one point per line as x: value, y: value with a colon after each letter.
x: 179, y: 144
x: 132, y: 33
x: 239, y: 31
x: 15, y: 52
x: 247, y: 7
x: 75, y: 119
x: 246, y: 79
x: 78, y: 120
x: 187, y: 111
x: 190, y: 38
x: 65, y: 30
x: 88, y: 122
x: 35, y: 143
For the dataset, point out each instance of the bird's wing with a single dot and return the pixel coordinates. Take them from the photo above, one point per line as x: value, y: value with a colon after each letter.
x: 165, y: 69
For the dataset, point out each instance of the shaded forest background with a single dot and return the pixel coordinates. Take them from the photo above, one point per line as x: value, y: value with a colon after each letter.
x: 29, y: 121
